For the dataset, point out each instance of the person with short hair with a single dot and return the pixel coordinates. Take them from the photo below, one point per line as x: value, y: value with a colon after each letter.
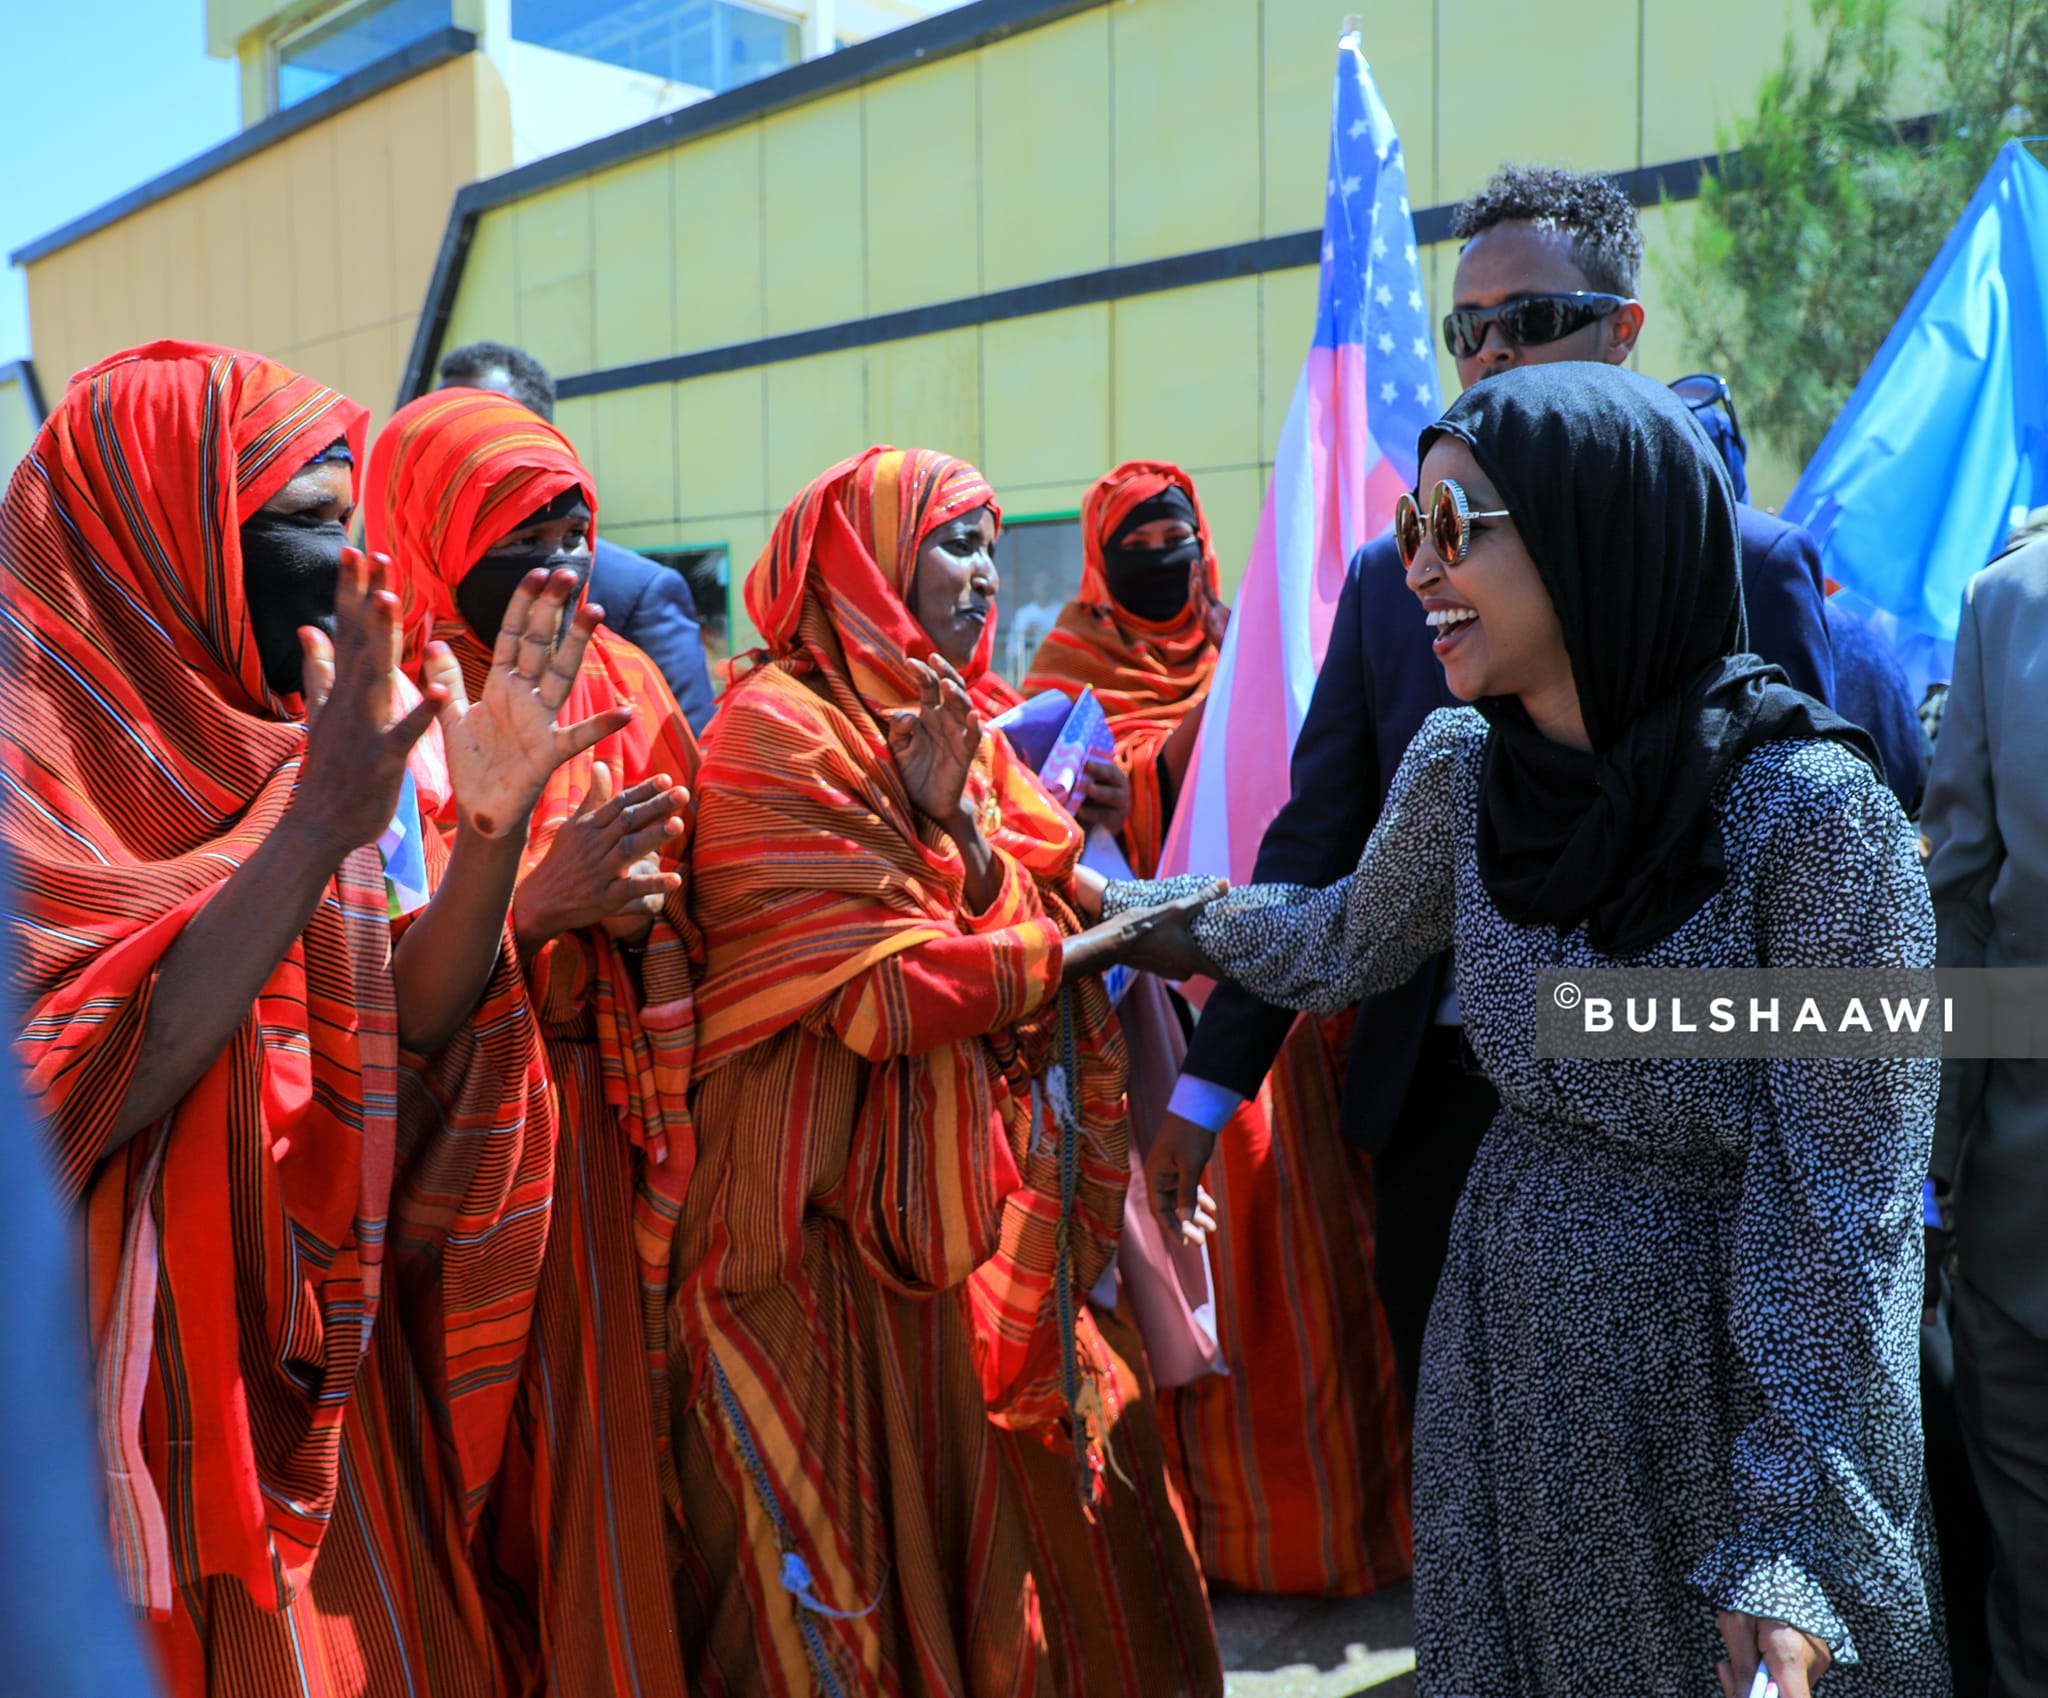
x: 644, y: 601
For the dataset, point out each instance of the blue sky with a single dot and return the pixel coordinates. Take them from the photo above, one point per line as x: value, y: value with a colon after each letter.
x: 101, y: 95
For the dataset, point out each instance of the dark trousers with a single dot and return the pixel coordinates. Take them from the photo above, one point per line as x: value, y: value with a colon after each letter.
x: 2002, y: 1407
x: 1417, y: 1180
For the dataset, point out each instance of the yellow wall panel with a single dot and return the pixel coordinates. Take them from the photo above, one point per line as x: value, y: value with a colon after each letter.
x: 322, y: 218
x: 487, y: 304
x: 1045, y: 153
x: 364, y: 360
x: 322, y: 361
x: 926, y: 393
x: 223, y: 240
x: 1029, y: 503
x: 1186, y: 101
x: 1045, y: 397
x: 1188, y: 377
x: 923, y: 187
x: 814, y: 266
x: 266, y: 251
x: 817, y: 415
x: 1702, y: 69
x: 577, y: 420
x: 721, y: 444
x: 716, y: 241
x: 1232, y: 501
x: 1579, y: 112
x: 1287, y: 306
x: 366, y: 171
x: 636, y: 446
x: 635, y: 281
x: 555, y: 289
x: 145, y: 260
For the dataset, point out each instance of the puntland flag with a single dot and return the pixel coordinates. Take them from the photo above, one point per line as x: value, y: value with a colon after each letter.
x: 1347, y: 450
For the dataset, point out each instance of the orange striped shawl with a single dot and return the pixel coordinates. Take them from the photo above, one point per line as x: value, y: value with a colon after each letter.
x: 824, y: 893
x: 235, y: 1253
x: 1147, y: 677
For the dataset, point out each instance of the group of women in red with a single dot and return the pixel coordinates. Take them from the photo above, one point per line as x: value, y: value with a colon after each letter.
x: 566, y: 1211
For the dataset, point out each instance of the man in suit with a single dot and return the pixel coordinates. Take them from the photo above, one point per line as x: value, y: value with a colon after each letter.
x: 643, y: 601
x: 1986, y: 822
x: 1543, y: 251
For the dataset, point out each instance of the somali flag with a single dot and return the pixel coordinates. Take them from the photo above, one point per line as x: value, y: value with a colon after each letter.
x: 405, y: 856
x: 1346, y: 451
x: 1943, y: 447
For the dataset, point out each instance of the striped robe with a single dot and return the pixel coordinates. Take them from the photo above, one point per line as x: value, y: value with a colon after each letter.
x: 582, y: 1506
x: 1295, y: 1464
x: 309, y: 1283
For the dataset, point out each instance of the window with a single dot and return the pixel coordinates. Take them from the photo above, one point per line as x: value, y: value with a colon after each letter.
x: 1039, y: 561
x: 707, y: 573
x: 351, y: 39
x: 713, y: 44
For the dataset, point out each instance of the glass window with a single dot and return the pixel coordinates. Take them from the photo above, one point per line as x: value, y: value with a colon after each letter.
x: 351, y: 39
x: 1039, y: 562
x: 712, y: 44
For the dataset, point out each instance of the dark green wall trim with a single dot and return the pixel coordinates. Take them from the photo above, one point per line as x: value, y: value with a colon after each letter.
x: 24, y: 372
x: 436, y: 49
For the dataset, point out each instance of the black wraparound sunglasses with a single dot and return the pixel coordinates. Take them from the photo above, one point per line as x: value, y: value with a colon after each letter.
x: 1528, y: 321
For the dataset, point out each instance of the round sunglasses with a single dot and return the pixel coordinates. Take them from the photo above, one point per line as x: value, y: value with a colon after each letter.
x: 1449, y: 523
x: 1528, y: 321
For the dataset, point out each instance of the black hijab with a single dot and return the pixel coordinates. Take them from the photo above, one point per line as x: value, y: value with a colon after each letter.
x: 1628, y: 515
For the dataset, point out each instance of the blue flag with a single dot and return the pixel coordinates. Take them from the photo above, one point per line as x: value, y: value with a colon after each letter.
x: 1943, y: 447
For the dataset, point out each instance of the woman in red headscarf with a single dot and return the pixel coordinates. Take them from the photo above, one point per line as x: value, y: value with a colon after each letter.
x: 884, y: 1254
x: 251, y: 1090
x: 1294, y: 1461
x: 468, y: 492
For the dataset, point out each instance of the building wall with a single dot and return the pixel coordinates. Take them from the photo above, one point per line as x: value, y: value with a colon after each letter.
x: 316, y: 251
x: 1136, y: 131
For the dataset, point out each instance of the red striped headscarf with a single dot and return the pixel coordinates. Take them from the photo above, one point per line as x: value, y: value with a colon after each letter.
x: 143, y: 761
x: 451, y: 474
x: 1148, y: 677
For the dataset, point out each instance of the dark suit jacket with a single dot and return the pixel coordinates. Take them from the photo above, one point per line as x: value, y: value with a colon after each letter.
x: 1379, y: 682
x: 1871, y: 690
x: 650, y: 606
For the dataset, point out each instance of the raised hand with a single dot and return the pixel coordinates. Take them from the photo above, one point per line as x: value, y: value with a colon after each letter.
x: 355, y: 755
x: 934, y: 744
x: 603, y: 864
x: 503, y: 748
x: 1215, y: 615
x: 1159, y: 939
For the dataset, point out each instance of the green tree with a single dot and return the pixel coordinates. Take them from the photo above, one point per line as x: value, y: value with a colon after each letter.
x: 1830, y: 205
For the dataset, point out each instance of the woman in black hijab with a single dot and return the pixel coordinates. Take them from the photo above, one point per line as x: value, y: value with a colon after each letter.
x: 1668, y: 1420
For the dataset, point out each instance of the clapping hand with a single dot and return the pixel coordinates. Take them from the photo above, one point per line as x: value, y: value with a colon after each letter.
x: 603, y: 867
x: 1104, y: 796
x: 934, y: 744
x: 354, y: 766
x: 503, y: 747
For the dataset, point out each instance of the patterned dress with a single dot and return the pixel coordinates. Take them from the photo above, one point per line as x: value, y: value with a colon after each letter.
x: 1672, y: 1364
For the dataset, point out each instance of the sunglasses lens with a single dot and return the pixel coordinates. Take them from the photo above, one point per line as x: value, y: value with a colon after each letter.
x: 1540, y: 319
x: 1464, y: 335
x: 1407, y: 529
x: 1447, y: 524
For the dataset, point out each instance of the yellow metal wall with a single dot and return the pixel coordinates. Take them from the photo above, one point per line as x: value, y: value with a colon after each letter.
x: 1137, y: 131
x: 17, y: 426
x: 317, y: 250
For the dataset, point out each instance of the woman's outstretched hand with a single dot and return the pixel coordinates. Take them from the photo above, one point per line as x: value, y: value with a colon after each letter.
x: 934, y: 744
x: 354, y: 766
x: 503, y: 748
x: 1796, y: 1660
x: 1159, y: 939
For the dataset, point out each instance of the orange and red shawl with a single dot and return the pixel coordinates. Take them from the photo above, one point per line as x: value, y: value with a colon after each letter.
x: 235, y: 1251
x: 814, y: 867
x: 449, y: 476
x: 1147, y: 677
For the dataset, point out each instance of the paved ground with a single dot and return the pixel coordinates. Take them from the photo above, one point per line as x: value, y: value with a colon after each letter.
x: 1317, y: 1647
